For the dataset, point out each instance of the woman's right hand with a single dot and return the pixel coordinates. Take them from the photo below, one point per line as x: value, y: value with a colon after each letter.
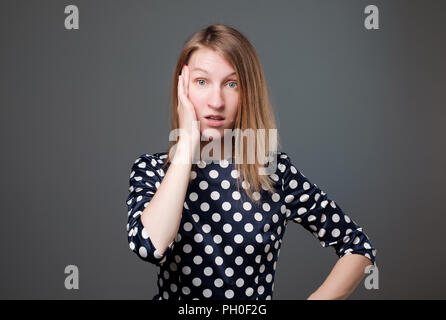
x: 190, y: 133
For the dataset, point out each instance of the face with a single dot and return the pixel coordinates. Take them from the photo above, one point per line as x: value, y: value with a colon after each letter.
x: 213, y: 90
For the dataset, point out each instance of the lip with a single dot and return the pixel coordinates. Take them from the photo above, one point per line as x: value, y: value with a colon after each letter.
x: 214, y: 123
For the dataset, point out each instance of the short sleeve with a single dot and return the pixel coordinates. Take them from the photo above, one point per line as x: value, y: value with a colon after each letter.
x: 145, y: 178
x: 311, y: 207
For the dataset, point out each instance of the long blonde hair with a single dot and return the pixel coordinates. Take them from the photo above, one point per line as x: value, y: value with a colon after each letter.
x: 254, y: 108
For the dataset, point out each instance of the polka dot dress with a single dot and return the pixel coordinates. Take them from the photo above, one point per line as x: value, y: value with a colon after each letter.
x: 227, y: 246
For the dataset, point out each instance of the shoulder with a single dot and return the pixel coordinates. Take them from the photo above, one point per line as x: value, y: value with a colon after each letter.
x: 149, y: 165
x: 285, y: 165
x: 153, y: 160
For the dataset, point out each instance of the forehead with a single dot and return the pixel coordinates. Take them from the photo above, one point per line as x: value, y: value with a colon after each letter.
x: 210, y: 61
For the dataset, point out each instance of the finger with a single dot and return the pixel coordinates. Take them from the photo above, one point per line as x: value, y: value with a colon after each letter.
x: 187, y: 80
x: 180, y: 88
x: 184, y: 81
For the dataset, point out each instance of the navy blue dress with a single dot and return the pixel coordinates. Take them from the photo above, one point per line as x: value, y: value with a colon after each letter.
x: 227, y: 246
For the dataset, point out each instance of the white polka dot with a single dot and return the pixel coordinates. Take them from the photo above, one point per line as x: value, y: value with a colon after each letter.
x: 229, y: 294
x: 249, y: 291
x: 321, y: 232
x: 204, y: 206
x: 186, y: 290
x: 258, y: 216
x: 247, y: 206
x: 275, y: 197
x: 293, y: 184
x: 219, y: 261
x: 207, y: 293
x: 235, y: 174
x: 249, y: 249
x: 144, y: 233
x: 238, y: 260
x: 269, y: 277
x: 227, y: 227
x: 237, y: 216
x: 226, y: 206
x: 236, y: 195
x: 335, y: 233
x: 225, y: 184
x: 306, y: 185
x: 213, y: 174
x: 240, y: 282
x: 217, y: 238
x: 335, y: 217
x: 249, y: 270
x: 215, y: 195
x: 196, y: 281
x: 187, y: 226
x: 238, y: 238
x: 206, y: 228
x: 208, y: 249
x: 203, y: 185
x: 304, y: 197
x: 142, y: 252
x: 249, y: 227
x: 229, y: 272
x: 216, y: 217
x: 228, y: 250
x: 186, y: 270
x: 289, y: 198
x: 198, y: 260
x: 198, y: 238
x: 218, y: 282
x: 208, y: 271
x: 224, y: 163
x: 187, y: 248
x: 266, y: 207
x: 193, y: 196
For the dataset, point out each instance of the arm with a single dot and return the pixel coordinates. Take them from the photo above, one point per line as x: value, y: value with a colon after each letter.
x: 162, y: 216
x: 343, y: 279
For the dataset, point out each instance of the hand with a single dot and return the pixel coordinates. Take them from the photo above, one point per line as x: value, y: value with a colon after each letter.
x: 190, y: 135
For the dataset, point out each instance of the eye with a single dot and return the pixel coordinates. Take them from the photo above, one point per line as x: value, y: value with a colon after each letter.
x: 199, y: 80
x: 234, y: 83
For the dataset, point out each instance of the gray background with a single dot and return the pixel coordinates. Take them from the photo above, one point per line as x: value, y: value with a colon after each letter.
x: 360, y: 112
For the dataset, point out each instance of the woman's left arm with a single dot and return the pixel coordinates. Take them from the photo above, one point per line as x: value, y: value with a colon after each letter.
x: 343, y: 278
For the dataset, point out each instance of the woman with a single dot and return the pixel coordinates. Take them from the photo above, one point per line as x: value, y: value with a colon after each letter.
x: 214, y: 228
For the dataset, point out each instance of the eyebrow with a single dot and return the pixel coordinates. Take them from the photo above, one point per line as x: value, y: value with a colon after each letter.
x: 200, y: 69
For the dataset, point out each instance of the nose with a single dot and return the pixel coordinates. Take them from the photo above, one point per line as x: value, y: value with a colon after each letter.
x: 216, y: 100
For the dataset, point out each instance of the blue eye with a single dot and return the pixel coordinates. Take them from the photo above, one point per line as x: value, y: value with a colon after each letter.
x: 229, y: 82
x: 234, y: 83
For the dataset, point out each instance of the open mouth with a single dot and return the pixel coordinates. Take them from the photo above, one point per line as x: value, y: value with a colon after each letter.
x: 215, y: 117
x: 214, y: 121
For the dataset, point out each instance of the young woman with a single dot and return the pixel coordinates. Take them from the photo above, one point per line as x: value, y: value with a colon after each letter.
x: 214, y: 224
